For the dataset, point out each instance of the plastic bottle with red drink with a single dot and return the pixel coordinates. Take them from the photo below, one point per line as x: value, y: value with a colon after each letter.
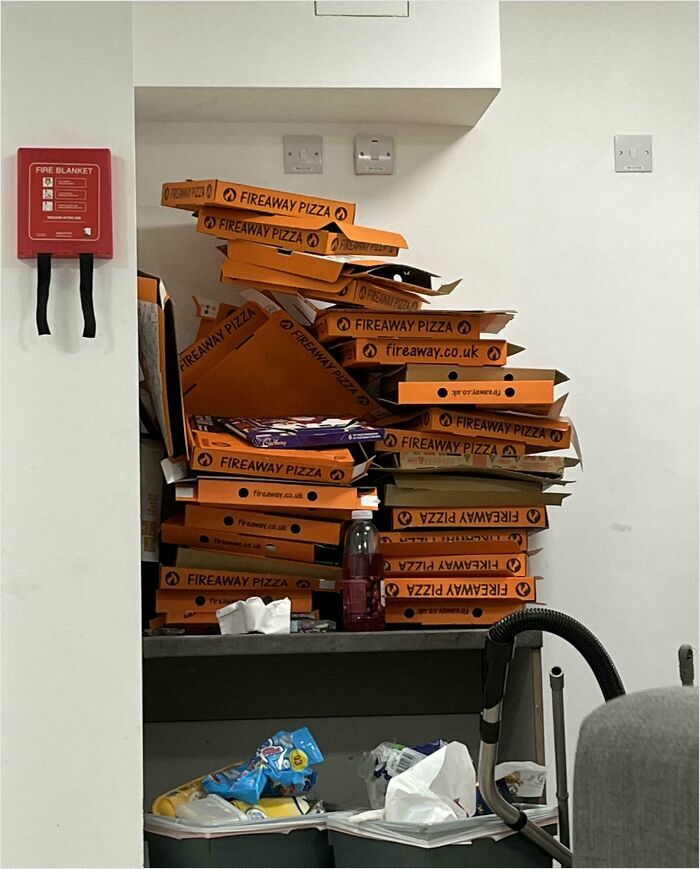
x: 362, y: 575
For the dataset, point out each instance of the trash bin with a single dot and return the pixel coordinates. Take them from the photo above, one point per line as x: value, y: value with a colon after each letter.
x: 294, y: 842
x: 480, y: 841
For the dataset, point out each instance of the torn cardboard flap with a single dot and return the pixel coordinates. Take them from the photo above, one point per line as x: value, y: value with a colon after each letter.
x: 159, y: 362
x: 300, y: 378
x: 312, y: 234
x: 191, y: 195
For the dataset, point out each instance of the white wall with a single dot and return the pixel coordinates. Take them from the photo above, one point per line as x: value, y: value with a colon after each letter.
x: 602, y: 268
x: 71, y: 671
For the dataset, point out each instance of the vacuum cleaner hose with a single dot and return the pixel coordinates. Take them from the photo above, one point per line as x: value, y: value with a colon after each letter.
x: 553, y: 622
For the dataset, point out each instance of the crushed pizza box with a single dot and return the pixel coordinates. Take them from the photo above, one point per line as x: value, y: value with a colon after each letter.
x: 263, y: 493
x: 176, y: 531
x: 513, y: 517
x: 268, y: 525
x: 191, y: 557
x: 300, y: 376
x: 366, y: 353
x: 333, y: 271
x: 440, y: 613
x: 537, y: 432
x: 214, y: 449
x: 192, y: 195
x: 302, y: 233
x: 486, y: 588
x: 339, y: 324
x: 521, y: 466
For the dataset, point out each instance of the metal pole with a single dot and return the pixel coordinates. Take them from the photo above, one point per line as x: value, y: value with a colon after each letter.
x: 686, y: 665
x: 556, y: 682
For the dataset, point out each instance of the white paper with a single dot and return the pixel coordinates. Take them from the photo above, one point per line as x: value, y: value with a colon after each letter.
x: 527, y: 777
x: 442, y: 787
x: 254, y: 616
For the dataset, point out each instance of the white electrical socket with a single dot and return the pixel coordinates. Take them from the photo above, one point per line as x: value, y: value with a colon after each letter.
x: 374, y: 155
x: 303, y: 155
x: 633, y: 154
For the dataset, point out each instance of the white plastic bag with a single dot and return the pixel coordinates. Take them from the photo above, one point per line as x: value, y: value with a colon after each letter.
x: 442, y: 787
x: 253, y: 616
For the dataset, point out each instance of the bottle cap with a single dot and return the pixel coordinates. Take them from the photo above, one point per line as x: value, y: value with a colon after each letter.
x: 361, y: 514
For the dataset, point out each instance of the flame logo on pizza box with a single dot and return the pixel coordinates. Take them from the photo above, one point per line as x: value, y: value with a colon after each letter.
x: 522, y: 589
x: 517, y: 537
x: 390, y: 440
x: 509, y: 450
x: 464, y: 327
x: 166, y: 194
x: 362, y: 292
x: 287, y: 325
x: 404, y: 518
x: 335, y: 244
x: 312, y: 239
x: 391, y: 589
x: 172, y: 578
x: 341, y: 213
x: 303, y: 583
x: 533, y: 516
x: 205, y: 459
x: 209, y: 191
x: 229, y: 194
x: 556, y: 436
x: 363, y: 400
x: 369, y: 350
x: 494, y: 353
x: 343, y: 324
x: 513, y: 564
x: 336, y: 475
x: 445, y: 419
x: 209, y: 222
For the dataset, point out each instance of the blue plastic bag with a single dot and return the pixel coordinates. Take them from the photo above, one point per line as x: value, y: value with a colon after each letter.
x: 281, y: 767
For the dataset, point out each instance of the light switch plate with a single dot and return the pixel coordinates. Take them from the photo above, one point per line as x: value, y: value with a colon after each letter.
x: 633, y: 154
x: 374, y: 155
x: 303, y: 155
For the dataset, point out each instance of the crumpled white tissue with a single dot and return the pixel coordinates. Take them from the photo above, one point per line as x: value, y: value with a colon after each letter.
x: 254, y: 616
x: 442, y: 787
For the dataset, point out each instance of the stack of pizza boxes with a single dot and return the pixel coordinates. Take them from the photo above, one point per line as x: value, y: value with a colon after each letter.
x: 470, y: 465
x: 256, y: 516
x: 459, y: 468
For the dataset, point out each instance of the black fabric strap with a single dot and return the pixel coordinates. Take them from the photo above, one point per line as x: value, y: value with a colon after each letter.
x: 86, y: 268
x: 43, y: 279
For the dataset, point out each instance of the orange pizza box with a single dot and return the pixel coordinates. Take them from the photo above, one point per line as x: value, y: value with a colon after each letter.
x: 230, y: 561
x: 181, y: 605
x: 300, y: 379
x: 158, y: 363
x: 312, y: 234
x: 175, y: 531
x: 542, y: 433
x: 441, y: 613
x: 521, y: 467
x: 243, y: 582
x: 364, y: 353
x: 335, y: 270
x: 347, y: 289
x: 412, y: 373
x: 213, y: 449
x: 413, y: 539
x: 422, y: 547
x: 486, y: 588
x: 268, y: 525
x: 431, y: 443
x: 262, y: 493
x: 479, y: 393
x: 458, y: 564
x: 337, y: 325
x: 512, y: 517
x: 192, y: 195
